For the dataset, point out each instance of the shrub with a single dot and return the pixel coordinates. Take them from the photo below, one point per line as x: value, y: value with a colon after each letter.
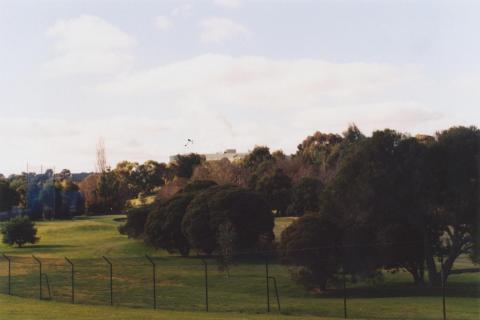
x: 19, y: 230
x: 163, y: 225
x: 136, y: 219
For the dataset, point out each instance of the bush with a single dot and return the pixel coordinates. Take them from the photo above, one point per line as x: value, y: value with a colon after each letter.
x: 248, y: 213
x: 163, y: 226
x: 19, y: 230
x: 136, y: 219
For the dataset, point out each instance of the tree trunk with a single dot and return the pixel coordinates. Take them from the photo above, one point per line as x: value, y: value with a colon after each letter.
x: 433, y: 275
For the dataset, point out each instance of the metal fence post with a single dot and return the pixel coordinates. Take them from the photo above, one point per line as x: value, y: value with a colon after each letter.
x: 9, y: 273
x: 268, y: 283
x: 72, y: 278
x: 111, y: 278
x: 154, y: 275
x: 40, y: 275
x: 442, y: 273
x: 344, y: 294
x: 205, y: 271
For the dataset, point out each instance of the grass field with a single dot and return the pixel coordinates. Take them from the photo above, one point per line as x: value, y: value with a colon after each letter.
x: 14, y: 308
x: 180, y: 282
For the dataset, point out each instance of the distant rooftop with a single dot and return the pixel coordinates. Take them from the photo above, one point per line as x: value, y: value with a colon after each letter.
x: 230, y: 154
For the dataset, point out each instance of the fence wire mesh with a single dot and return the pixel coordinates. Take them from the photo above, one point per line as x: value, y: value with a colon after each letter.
x: 247, y: 284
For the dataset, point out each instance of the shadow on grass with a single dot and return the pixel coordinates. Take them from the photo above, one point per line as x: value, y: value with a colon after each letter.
x: 38, y: 248
x: 459, y: 290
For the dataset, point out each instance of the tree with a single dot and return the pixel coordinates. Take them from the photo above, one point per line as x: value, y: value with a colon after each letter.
x: 108, y: 190
x: 8, y: 196
x: 277, y: 191
x: 311, y: 243
x: 305, y: 196
x: 185, y: 164
x: 376, y: 188
x: 149, y: 175
x: 248, y: 213
x: 454, y: 196
x: 19, y: 230
x: 222, y: 172
x: 136, y: 219
x: 101, y: 159
x: 89, y: 191
x: 163, y: 227
x: 318, y: 148
x: 226, y: 244
x: 258, y: 155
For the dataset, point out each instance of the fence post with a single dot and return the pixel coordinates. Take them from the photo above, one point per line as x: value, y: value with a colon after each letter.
x: 205, y: 270
x: 9, y: 273
x: 40, y: 275
x: 111, y: 278
x: 267, y: 283
x: 442, y: 273
x: 344, y: 294
x: 154, y: 281
x: 72, y: 279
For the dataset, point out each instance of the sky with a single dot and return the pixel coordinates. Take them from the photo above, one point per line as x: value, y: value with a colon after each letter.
x: 145, y: 76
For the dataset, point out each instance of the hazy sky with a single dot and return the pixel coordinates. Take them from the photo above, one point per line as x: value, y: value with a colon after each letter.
x: 147, y: 75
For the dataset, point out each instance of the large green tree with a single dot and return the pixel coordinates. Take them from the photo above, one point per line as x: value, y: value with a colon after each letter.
x: 454, y: 203
x: 247, y: 212
x: 163, y: 226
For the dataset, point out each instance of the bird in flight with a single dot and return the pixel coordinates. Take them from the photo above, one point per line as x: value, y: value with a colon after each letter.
x: 189, y: 141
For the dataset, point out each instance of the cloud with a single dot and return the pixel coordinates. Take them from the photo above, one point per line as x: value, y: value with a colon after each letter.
x: 224, y: 101
x: 217, y: 29
x: 184, y: 11
x: 71, y: 143
x: 259, y: 82
x: 163, y: 23
x: 231, y: 4
x: 88, y: 45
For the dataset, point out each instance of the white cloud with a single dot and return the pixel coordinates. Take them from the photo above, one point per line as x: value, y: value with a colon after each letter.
x: 231, y: 4
x: 223, y: 101
x: 218, y: 29
x: 163, y: 23
x: 258, y: 82
x: 184, y: 11
x: 88, y: 45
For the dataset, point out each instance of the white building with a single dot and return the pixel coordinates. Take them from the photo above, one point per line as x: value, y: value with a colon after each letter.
x: 230, y: 154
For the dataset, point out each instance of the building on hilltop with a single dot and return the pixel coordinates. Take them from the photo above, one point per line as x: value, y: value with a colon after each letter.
x: 230, y: 154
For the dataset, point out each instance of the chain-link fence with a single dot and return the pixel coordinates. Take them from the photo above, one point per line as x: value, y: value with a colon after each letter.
x: 253, y: 285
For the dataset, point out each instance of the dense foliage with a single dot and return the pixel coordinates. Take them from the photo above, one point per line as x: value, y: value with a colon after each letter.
x: 19, y: 230
x: 247, y: 212
x: 396, y: 202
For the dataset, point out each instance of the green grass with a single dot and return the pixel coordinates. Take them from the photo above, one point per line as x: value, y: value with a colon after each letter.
x: 180, y: 282
x: 83, y: 237
x: 14, y: 308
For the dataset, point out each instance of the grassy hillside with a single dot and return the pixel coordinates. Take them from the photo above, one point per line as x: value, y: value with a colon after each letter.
x: 180, y: 281
x: 83, y: 237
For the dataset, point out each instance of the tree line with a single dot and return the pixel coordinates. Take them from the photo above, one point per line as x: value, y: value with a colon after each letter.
x: 365, y: 204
